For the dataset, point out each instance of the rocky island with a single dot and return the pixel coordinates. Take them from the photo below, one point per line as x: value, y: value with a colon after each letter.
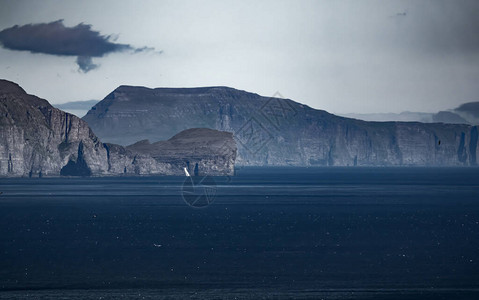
x: 271, y: 131
x: 37, y: 139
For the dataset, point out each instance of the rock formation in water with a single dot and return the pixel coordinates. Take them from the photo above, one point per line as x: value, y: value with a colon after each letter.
x: 279, y: 132
x: 37, y: 139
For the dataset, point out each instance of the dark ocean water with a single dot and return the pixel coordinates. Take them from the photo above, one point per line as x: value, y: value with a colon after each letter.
x: 278, y: 233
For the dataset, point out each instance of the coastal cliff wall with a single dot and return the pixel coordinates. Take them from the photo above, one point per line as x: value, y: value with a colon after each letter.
x: 279, y: 132
x: 37, y: 139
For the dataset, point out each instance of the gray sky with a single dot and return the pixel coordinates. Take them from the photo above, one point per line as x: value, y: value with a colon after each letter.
x: 341, y: 56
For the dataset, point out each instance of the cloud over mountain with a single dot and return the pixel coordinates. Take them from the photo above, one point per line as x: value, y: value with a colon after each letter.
x: 56, y: 39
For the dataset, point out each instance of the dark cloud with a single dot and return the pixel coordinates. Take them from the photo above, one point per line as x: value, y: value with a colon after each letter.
x: 56, y: 39
x: 86, y: 64
x: 147, y: 49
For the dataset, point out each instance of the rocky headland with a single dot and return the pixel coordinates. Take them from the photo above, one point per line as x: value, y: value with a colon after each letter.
x: 37, y: 139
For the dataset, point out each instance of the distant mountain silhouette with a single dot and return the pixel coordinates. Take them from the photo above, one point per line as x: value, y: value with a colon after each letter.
x: 470, y: 111
x: 467, y: 113
x: 77, y: 108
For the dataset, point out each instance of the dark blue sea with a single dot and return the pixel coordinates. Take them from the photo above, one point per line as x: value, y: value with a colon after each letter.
x: 275, y: 233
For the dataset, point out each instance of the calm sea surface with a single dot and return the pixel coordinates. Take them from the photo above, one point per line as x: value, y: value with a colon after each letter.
x: 276, y: 233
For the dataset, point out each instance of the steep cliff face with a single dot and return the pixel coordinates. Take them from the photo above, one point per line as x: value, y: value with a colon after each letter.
x: 39, y: 140
x: 278, y: 132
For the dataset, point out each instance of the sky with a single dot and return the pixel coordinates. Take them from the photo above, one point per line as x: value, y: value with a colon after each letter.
x: 340, y: 56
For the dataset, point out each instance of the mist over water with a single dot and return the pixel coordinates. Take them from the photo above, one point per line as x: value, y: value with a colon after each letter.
x: 369, y: 233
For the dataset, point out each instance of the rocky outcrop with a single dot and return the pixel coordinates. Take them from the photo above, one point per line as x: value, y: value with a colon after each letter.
x: 212, y: 155
x: 279, y: 132
x: 37, y: 139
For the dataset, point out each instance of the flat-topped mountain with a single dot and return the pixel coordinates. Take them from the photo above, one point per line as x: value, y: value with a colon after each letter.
x: 37, y: 139
x: 130, y: 114
x: 279, y: 132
